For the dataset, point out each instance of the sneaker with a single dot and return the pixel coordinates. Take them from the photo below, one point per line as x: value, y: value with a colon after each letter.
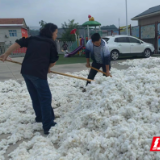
x: 83, y: 89
x: 47, y: 132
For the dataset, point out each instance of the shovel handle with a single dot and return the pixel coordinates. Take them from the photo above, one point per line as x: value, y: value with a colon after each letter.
x: 99, y: 70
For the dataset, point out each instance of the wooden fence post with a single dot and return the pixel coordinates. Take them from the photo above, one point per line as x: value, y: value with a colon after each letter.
x: 156, y: 37
x: 139, y: 32
x: 130, y: 30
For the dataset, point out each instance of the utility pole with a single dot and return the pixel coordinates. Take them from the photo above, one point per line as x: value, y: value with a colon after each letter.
x: 126, y: 19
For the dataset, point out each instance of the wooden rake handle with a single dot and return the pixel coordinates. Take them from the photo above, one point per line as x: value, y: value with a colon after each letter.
x: 99, y: 70
x: 63, y: 74
x: 12, y: 61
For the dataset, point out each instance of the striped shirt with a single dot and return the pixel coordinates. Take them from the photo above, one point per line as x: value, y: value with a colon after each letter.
x: 97, y: 54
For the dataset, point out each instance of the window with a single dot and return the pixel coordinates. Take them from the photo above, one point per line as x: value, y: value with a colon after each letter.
x: 133, y: 40
x: 13, y: 33
x: 122, y: 40
x: 106, y: 39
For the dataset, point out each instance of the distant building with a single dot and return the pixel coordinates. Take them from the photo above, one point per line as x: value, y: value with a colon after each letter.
x: 12, y: 29
x: 109, y: 30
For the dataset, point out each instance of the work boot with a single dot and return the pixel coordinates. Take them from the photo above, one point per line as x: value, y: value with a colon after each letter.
x: 83, y: 90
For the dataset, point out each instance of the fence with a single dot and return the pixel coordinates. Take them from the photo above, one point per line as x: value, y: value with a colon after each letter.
x: 2, y: 49
x: 71, y: 46
x: 17, y: 53
x: 21, y: 52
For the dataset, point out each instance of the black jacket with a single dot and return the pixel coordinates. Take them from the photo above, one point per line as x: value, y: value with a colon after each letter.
x: 41, y: 52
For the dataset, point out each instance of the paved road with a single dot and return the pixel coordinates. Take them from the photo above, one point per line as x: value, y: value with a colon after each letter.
x: 12, y: 71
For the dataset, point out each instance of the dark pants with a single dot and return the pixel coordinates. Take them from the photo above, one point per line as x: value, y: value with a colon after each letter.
x: 93, y: 72
x: 41, y: 100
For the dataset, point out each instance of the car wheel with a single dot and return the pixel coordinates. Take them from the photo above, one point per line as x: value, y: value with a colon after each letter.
x: 114, y: 55
x: 147, y: 53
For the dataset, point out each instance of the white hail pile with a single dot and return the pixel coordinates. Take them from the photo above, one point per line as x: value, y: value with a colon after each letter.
x: 115, y: 119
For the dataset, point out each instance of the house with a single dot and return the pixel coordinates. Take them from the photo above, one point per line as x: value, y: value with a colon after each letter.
x: 149, y: 26
x: 152, y: 15
x: 12, y: 29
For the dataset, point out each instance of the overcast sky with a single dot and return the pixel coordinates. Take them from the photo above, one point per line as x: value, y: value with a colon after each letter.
x: 107, y: 12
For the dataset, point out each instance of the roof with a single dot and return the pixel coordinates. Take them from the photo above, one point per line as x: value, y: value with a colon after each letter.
x: 149, y: 12
x: 8, y: 25
x: 117, y: 36
x: 11, y: 20
x: 91, y: 23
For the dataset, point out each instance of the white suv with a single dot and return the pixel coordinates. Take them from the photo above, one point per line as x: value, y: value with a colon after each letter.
x: 128, y: 46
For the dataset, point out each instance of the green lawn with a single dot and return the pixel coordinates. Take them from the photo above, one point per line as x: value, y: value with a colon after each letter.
x: 71, y: 60
x: 75, y: 59
x: 78, y: 59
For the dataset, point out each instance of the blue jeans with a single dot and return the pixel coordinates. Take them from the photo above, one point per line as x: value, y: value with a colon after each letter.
x: 41, y: 100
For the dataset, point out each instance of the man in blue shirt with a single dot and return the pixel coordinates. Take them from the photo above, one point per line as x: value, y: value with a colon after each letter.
x: 98, y: 51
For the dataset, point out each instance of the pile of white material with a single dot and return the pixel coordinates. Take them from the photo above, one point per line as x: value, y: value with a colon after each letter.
x: 115, y: 119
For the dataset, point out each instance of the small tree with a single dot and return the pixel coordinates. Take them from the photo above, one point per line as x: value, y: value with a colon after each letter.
x: 42, y: 24
x: 67, y: 27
